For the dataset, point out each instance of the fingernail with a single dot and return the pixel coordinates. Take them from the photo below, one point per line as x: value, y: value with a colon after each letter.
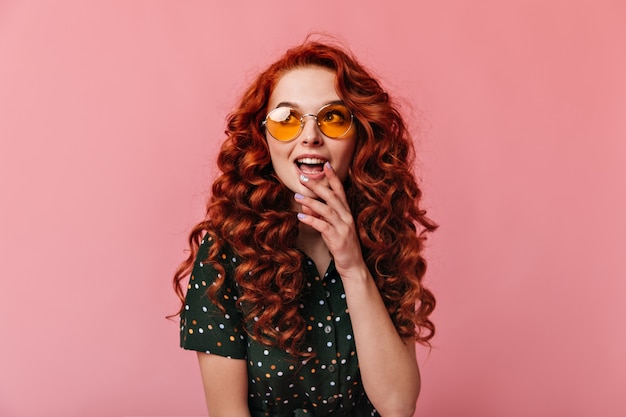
x: 303, y: 178
x: 328, y: 165
x: 298, y: 196
x: 301, y: 215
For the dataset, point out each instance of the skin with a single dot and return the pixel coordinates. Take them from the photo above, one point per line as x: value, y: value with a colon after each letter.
x: 327, y: 231
x: 306, y: 90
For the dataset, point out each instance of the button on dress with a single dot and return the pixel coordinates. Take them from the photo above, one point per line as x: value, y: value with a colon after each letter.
x: 279, y: 385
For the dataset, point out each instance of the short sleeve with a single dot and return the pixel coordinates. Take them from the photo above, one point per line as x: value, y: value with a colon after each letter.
x: 204, y: 327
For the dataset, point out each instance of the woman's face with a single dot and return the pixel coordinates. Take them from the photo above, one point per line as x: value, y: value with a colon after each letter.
x: 307, y: 90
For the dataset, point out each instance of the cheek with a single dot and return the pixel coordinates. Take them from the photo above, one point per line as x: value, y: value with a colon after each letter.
x: 279, y: 154
x: 345, y: 163
x: 271, y: 147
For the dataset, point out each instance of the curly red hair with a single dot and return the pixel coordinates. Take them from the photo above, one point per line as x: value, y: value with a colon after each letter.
x: 249, y: 209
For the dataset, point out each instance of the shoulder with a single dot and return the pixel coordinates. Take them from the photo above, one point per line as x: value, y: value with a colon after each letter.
x: 211, y: 320
x: 215, y: 261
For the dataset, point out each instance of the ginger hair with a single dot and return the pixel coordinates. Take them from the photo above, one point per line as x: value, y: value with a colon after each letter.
x: 249, y: 208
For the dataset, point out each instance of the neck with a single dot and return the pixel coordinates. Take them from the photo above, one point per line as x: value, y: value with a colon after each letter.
x: 309, y: 239
x: 310, y: 242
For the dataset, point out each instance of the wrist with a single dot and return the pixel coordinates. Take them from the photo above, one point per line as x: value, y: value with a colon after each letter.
x: 358, y: 274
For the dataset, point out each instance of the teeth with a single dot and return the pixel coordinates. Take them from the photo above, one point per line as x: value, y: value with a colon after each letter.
x: 310, y: 161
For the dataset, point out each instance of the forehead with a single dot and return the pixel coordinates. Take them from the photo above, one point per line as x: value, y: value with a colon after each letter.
x: 306, y: 88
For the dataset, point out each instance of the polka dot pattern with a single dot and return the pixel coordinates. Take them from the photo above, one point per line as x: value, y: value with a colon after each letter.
x: 328, y: 384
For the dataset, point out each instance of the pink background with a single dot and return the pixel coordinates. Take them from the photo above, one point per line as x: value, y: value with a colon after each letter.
x: 110, y: 116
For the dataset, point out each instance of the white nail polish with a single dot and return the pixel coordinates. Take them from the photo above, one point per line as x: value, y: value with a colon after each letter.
x: 303, y: 178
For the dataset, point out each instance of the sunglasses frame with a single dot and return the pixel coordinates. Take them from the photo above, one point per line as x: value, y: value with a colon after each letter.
x: 317, y: 122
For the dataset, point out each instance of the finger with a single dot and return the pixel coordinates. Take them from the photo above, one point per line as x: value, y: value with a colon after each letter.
x: 334, y: 224
x: 316, y: 208
x: 334, y: 199
x: 308, y: 211
x: 341, y: 242
x: 316, y: 223
x: 335, y: 183
x: 334, y: 189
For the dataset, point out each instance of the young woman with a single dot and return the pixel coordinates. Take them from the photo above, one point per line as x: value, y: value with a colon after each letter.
x: 305, y: 292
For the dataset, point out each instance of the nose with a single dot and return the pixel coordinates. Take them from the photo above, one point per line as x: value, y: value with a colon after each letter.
x: 310, y: 134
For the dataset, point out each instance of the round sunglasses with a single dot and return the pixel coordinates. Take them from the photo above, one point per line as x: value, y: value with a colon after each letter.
x: 285, y: 124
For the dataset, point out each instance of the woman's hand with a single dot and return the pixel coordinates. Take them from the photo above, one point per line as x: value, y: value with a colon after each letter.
x: 331, y: 216
x: 393, y: 389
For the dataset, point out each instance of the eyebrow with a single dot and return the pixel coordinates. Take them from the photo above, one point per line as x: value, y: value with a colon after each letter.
x: 295, y: 106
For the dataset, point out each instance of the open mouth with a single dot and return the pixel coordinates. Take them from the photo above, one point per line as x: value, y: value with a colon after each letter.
x: 310, y: 166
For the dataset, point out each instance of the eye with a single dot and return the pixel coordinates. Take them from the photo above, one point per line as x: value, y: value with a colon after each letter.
x: 283, y: 115
x: 334, y: 116
x: 291, y: 118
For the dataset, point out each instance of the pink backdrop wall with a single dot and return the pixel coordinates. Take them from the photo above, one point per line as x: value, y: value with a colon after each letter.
x: 110, y: 117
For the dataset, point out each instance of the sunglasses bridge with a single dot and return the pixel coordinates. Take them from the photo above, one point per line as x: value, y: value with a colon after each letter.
x: 317, y: 121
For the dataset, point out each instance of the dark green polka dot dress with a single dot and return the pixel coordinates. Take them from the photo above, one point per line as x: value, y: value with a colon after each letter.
x: 329, y: 384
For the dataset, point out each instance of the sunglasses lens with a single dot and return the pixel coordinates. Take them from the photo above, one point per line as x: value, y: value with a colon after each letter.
x: 334, y: 120
x: 283, y: 123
